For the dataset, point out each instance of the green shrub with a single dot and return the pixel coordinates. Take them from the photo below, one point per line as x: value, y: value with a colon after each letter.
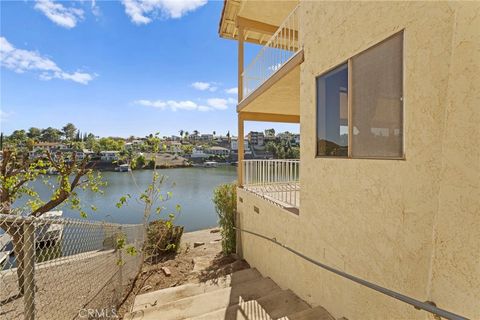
x: 225, y: 199
x: 152, y: 163
x: 139, y: 162
x: 162, y: 238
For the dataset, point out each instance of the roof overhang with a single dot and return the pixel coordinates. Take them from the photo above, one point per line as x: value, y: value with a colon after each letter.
x: 260, y: 19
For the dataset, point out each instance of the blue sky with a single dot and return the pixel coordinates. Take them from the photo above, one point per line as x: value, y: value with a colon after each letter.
x: 118, y: 68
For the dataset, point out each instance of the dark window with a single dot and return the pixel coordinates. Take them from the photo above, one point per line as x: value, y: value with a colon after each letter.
x: 332, y: 113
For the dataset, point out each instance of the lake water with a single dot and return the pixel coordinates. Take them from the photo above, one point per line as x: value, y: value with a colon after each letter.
x: 192, y: 189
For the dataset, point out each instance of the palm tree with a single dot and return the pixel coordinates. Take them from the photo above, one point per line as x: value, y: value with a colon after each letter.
x: 181, y: 132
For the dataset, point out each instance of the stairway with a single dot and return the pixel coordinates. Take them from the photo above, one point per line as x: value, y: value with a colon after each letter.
x: 242, y: 295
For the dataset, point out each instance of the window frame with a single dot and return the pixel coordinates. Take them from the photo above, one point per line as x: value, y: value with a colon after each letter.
x: 349, y: 100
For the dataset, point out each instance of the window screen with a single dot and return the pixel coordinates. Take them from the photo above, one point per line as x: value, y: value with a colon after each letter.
x: 332, y: 113
x: 377, y: 106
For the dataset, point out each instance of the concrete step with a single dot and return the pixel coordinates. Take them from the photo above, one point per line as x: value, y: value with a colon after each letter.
x: 167, y: 295
x: 317, y: 313
x: 278, y: 304
x: 234, y: 313
x: 269, y: 307
x: 207, y: 302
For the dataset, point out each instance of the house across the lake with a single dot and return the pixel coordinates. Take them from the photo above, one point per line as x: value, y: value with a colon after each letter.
x: 109, y: 156
x: 218, y: 151
x: 387, y: 188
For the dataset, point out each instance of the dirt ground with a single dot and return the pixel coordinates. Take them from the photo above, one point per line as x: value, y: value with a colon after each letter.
x: 191, y: 264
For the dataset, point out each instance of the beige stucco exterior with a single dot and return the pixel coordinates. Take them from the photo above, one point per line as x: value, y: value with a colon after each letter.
x: 409, y: 225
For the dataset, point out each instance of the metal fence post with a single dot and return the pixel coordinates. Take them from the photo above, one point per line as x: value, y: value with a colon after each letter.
x: 120, y: 266
x: 29, y: 269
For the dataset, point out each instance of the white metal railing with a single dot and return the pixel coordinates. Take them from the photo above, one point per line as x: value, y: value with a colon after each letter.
x: 275, y: 180
x: 282, y: 45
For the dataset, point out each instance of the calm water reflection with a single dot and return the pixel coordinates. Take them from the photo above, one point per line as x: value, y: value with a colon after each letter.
x: 192, y: 189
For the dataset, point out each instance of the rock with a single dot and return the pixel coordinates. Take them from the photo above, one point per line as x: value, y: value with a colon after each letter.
x: 202, y: 263
x: 215, y: 231
x: 198, y: 244
x: 166, y: 271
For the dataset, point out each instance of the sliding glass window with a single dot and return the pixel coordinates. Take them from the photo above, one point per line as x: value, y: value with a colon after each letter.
x: 371, y: 110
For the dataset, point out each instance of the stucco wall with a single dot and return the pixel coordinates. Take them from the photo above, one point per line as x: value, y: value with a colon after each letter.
x: 455, y: 274
x: 410, y: 225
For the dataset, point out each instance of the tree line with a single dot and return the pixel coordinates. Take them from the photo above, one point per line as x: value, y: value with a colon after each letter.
x: 69, y: 134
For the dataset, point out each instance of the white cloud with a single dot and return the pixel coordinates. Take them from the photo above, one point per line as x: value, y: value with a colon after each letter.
x: 202, y: 86
x: 220, y: 103
x: 95, y: 8
x: 172, y: 105
x: 144, y: 11
x: 232, y: 90
x: 20, y: 61
x: 204, y: 108
x: 66, y: 17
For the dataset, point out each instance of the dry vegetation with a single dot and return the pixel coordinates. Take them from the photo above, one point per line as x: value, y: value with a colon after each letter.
x: 190, y: 264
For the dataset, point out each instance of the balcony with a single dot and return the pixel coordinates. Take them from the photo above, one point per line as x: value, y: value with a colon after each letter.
x: 271, y: 82
x: 279, y: 49
x: 274, y: 180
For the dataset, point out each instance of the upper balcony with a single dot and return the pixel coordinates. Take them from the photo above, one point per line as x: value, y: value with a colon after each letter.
x: 281, y: 49
x: 270, y: 83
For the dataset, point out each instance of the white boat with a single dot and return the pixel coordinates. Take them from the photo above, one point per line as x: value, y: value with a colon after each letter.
x: 123, y: 168
x: 210, y: 164
x: 47, y: 233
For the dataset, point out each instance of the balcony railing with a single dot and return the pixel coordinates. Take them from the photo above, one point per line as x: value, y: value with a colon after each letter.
x: 283, y: 45
x: 275, y: 180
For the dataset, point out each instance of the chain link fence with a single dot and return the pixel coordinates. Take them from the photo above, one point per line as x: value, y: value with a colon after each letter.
x: 61, y: 268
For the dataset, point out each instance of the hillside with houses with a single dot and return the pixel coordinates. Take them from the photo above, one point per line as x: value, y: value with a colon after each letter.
x: 185, y: 149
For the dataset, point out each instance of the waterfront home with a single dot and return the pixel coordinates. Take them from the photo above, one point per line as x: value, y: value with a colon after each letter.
x: 109, y: 156
x: 198, y: 153
x: 67, y: 153
x: 194, y: 137
x: 256, y: 139
x: 206, y: 137
x: 134, y: 144
x: 218, y: 151
x: 42, y: 147
x: 387, y: 186
x: 234, y: 145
